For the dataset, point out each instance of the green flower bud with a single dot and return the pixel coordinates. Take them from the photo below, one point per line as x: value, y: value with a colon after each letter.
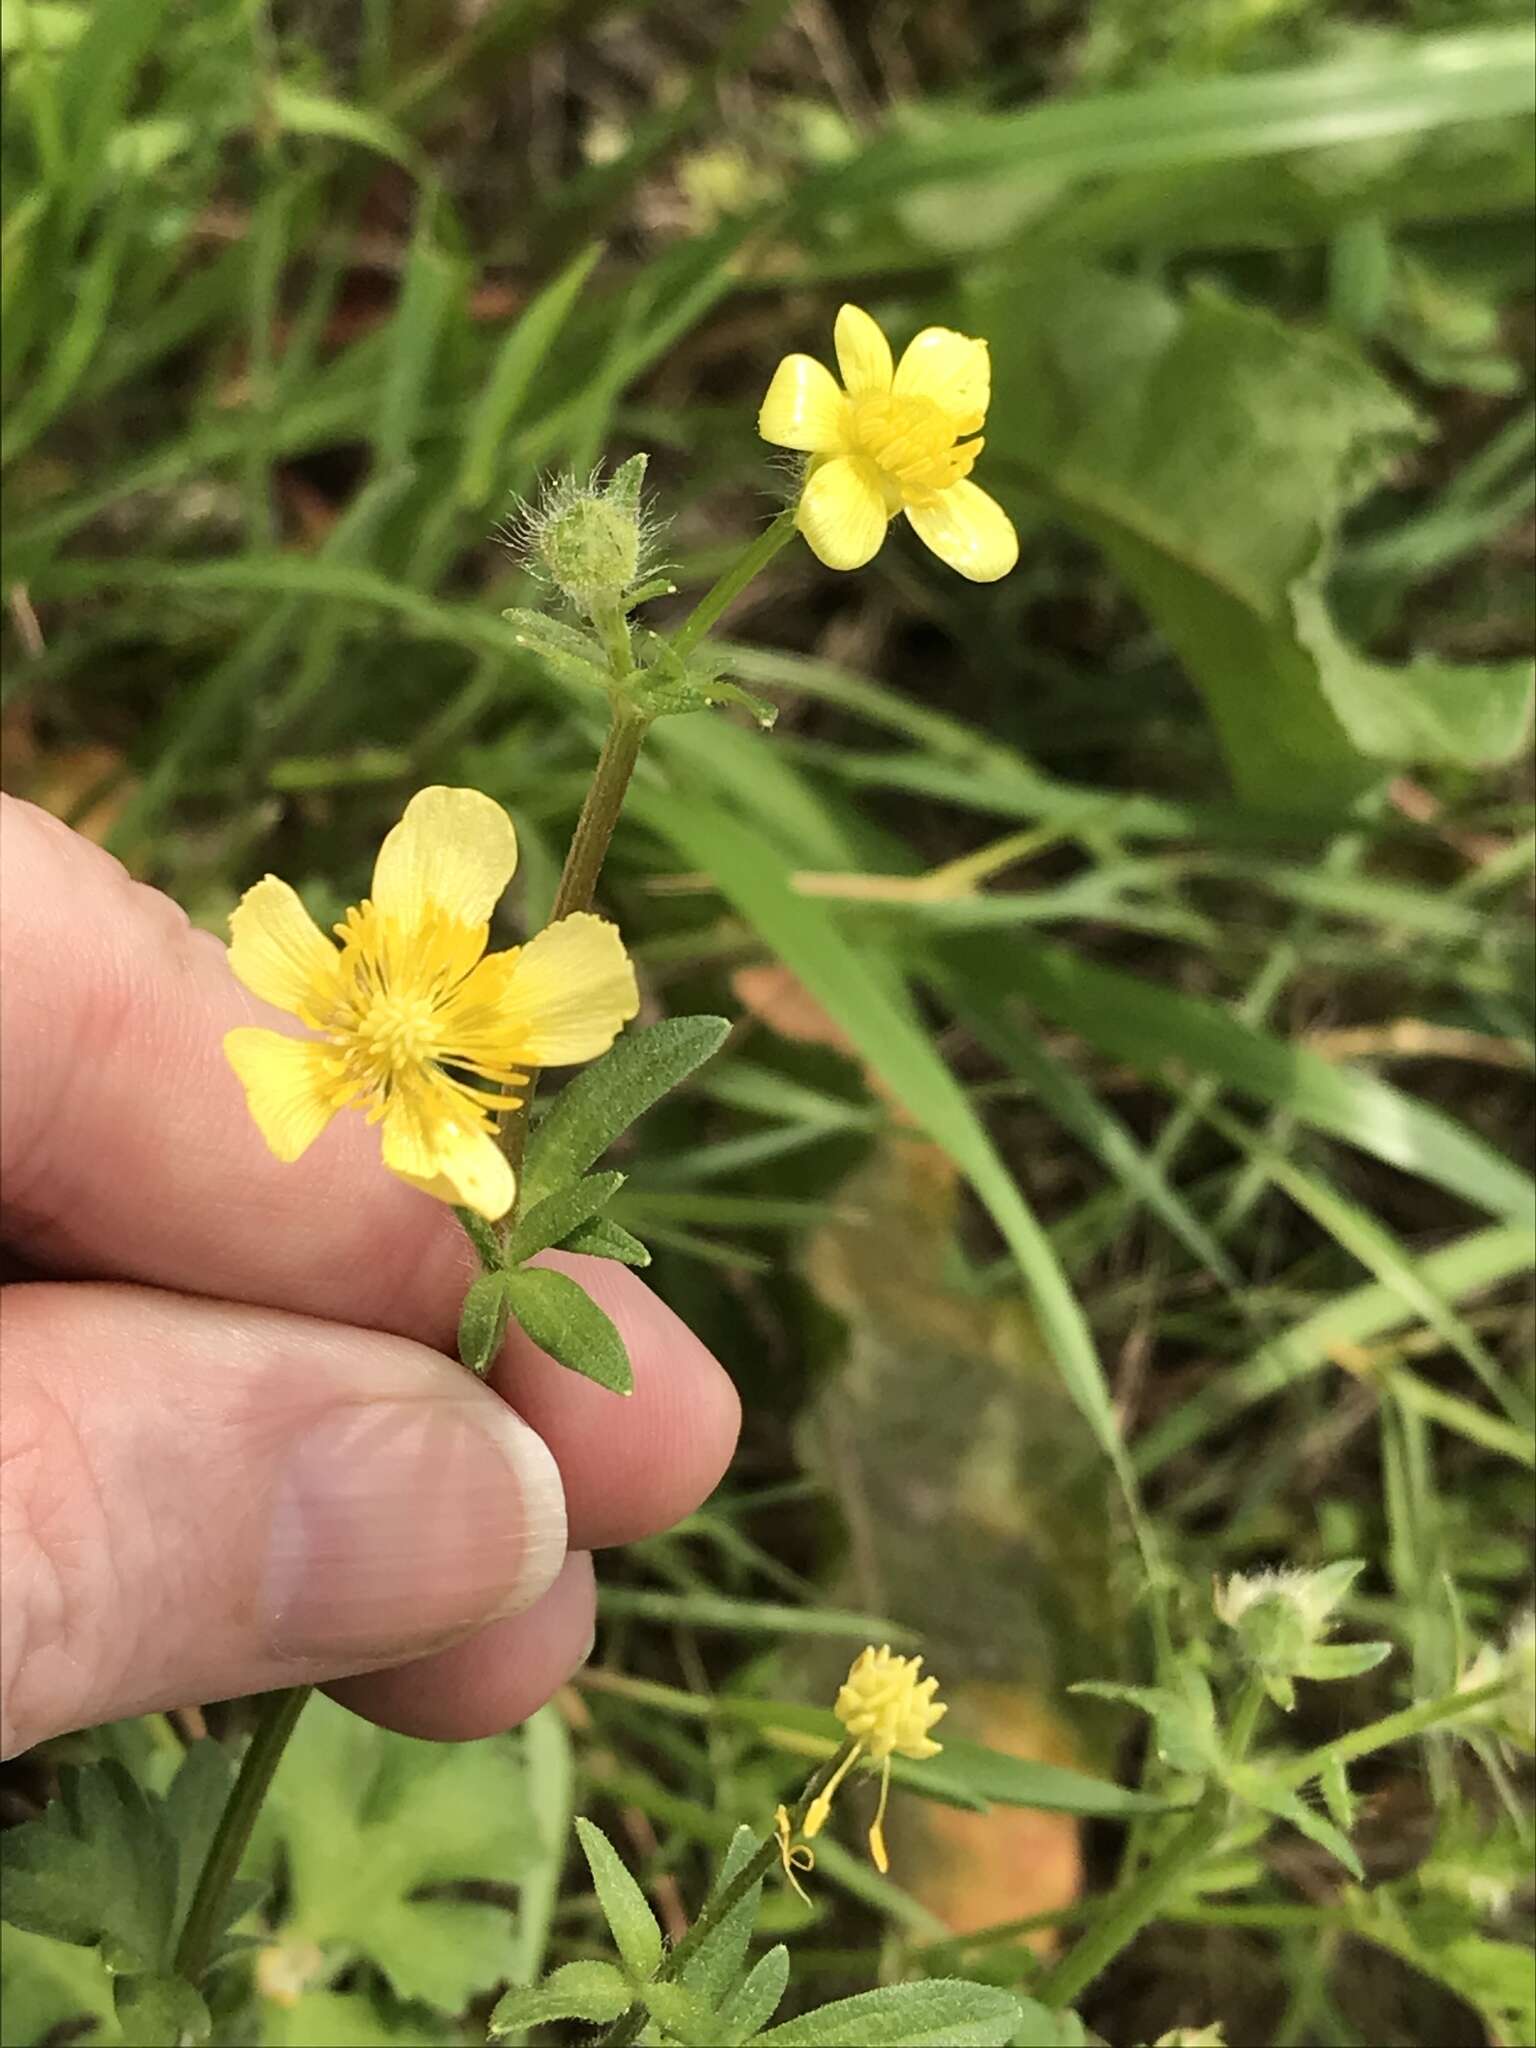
x: 1281, y: 1620
x: 590, y: 540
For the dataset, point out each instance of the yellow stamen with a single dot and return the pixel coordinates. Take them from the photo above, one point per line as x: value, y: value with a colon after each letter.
x: 821, y: 1805
x: 882, y: 1862
x: 794, y: 1856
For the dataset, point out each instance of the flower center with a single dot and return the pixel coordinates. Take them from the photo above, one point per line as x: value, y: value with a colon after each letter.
x: 911, y: 439
x: 395, y: 1033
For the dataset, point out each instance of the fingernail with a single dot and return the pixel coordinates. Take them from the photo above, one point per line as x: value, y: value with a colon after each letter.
x: 398, y: 1526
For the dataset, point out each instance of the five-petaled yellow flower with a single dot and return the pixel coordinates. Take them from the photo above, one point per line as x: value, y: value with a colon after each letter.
x: 892, y: 440
x: 417, y: 1028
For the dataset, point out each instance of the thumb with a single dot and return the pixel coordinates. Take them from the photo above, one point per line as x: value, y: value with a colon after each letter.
x: 198, y: 1501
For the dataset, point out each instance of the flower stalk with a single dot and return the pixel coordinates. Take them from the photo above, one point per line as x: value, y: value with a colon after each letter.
x: 280, y: 1712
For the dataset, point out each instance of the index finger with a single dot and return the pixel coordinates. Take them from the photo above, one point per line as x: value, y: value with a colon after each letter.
x: 127, y: 1152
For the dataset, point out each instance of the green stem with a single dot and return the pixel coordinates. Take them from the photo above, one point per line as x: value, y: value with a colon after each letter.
x: 735, y: 580
x: 1129, y: 1910
x: 1399, y: 1727
x: 630, y: 2024
x: 600, y: 812
x: 279, y: 1712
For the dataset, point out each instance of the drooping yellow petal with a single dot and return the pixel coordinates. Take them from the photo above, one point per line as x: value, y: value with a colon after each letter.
x: 803, y: 408
x: 953, y: 370
x: 280, y: 953
x: 842, y: 513
x: 568, y: 993
x: 446, y: 1156
x: 290, y: 1086
x: 454, y: 851
x: 969, y: 530
x: 863, y: 353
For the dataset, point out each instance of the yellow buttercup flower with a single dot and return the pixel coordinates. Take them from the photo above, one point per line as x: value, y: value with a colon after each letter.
x: 892, y: 440
x: 416, y: 1027
x: 888, y: 1712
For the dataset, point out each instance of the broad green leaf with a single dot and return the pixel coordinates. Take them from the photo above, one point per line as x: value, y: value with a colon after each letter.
x: 563, y: 1319
x: 758, y: 1998
x: 160, y: 2012
x: 99, y: 1866
x: 350, y: 2019
x: 630, y: 1919
x: 551, y: 1221
x: 591, y: 1991
x: 483, y: 1321
x: 601, y: 1102
x: 48, y: 1985
x: 943, y: 2013
x: 366, y: 1821
x: 1211, y: 451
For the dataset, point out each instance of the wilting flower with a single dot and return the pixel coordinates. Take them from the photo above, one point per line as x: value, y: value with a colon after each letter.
x: 892, y: 440
x: 887, y: 1712
x: 418, y: 1026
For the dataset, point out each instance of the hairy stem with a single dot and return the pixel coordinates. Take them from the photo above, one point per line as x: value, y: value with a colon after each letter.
x: 279, y: 1713
x: 1127, y: 1911
x: 629, y: 2025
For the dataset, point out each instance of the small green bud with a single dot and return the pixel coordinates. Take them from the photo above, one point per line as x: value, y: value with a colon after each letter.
x: 590, y: 540
x: 1512, y: 1716
x: 1281, y: 1618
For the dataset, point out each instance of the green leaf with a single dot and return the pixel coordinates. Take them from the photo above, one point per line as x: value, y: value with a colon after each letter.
x: 518, y: 360
x: 1211, y: 450
x: 1252, y: 1783
x: 365, y: 1822
x: 943, y: 2013
x: 1340, y: 1660
x: 572, y: 656
x: 49, y: 1986
x: 1333, y: 1783
x: 757, y: 1999
x: 715, y: 1965
x: 311, y: 113
x: 630, y: 1919
x: 483, y: 1321
x: 684, y: 2015
x: 551, y: 1221
x: 591, y: 1991
x: 1043, y: 2027
x: 349, y: 2019
x: 98, y: 1866
x: 602, y: 1238
x: 603, y: 1100
x: 563, y: 1319
x: 1184, y: 1723
x: 550, y: 1772
x: 160, y: 2012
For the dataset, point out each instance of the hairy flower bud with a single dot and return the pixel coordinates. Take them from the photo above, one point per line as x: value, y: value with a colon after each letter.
x: 589, y: 539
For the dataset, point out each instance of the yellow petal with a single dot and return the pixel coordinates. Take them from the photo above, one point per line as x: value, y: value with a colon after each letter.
x: 289, y: 1087
x: 447, y: 1158
x: 280, y: 953
x: 951, y: 369
x: 969, y: 530
x: 842, y: 513
x: 863, y: 353
x: 568, y: 993
x: 453, y: 851
x: 803, y: 408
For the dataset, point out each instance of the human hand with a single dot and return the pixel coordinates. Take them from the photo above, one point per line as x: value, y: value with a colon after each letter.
x: 238, y: 1452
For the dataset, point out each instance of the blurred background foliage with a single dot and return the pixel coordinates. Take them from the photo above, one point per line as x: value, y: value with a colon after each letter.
x: 1131, y: 962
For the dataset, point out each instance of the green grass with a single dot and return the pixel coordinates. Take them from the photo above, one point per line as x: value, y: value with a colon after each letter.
x: 293, y: 314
